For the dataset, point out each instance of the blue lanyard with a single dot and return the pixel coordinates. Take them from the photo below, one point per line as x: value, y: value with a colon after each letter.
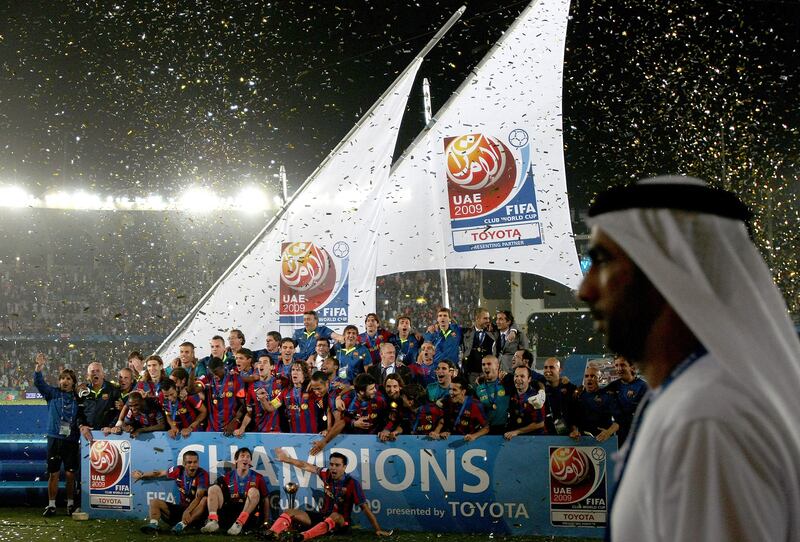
x: 296, y: 396
x: 423, y: 411
x: 493, y: 396
x: 218, y: 393
x: 649, y: 397
x: 188, y: 482
x: 173, y: 408
x: 461, y: 412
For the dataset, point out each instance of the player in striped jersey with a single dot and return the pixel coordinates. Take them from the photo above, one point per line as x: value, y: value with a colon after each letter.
x: 341, y: 492
x: 523, y: 416
x: 192, y: 482
x: 259, y: 396
x: 463, y: 414
x: 225, y: 399
x: 304, y: 407
x: 183, y: 415
x: 238, y: 499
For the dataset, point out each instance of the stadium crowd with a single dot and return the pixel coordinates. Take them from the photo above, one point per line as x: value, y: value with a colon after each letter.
x: 70, y: 321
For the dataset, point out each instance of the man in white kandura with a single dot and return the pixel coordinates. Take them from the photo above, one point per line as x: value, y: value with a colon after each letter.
x: 678, y: 288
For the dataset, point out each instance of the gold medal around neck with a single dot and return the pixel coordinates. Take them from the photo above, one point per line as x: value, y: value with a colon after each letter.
x: 519, y: 420
x: 216, y: 401
x: 304, y: 406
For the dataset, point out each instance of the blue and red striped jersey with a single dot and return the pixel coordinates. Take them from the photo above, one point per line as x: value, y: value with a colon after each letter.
x: 239, y: 485
x: 223, y: 399
x: 265, y: 421
x: 426, y: 419
x: 305, y: 411
x: 148, y: 388
x: 522, y: 413
x: 374, y: 410
x: 340, y: 496
x: 464, y: 418
x: 188, y: 486
x: 183, y: 413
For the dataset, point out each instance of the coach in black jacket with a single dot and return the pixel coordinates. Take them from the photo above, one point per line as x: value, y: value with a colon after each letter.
x: 389, y: 365
x: 96, y: 401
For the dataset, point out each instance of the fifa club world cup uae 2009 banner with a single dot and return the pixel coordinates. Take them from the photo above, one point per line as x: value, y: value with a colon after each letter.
x: 110, y: 475
x: 545, y: 485
x: 484, y: 186
x: 492, y: 200
x: 577, y: 486
x: 312, y: 278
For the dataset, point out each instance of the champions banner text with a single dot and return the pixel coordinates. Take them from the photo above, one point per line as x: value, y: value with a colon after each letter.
x: 526, y: 486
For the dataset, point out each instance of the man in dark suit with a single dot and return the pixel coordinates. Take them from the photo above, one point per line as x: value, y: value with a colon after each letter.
x: 478, y: 342
x: 388, y: 365
x: 509, y: 340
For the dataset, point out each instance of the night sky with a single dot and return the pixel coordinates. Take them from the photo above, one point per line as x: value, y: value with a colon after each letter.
x: 134, y: 97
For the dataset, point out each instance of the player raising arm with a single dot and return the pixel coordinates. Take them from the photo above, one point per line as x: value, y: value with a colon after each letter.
x: 341, y: 492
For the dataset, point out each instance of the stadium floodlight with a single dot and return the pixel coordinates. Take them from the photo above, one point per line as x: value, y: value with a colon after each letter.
x: 154, y: 202
x: 198, y: 199
x: 82, y: 200
x: 58, y: 200
x: 16, y: 197
x: 253, y: 199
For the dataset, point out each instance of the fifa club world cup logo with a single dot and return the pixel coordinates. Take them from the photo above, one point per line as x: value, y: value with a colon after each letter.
x: 106, y: 463
x: 578, y: 493
x: 569, y: 466
x: 481, y: 173
x: 308, y: 276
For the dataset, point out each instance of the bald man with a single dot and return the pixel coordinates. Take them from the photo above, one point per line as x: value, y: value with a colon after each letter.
x: 96, y: 401
x: 592, y: 409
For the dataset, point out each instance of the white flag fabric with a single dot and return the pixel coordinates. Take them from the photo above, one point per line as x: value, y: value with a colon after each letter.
x: 484, y: 186
x: 321, y: 253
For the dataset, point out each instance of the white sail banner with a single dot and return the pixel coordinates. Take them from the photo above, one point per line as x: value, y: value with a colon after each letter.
x: 321, y: 252
x: 484, y: 186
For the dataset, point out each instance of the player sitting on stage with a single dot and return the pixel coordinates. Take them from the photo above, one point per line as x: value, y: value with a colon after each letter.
x: 341, y: 492
x: 192, y: 482
x: 235, y: 498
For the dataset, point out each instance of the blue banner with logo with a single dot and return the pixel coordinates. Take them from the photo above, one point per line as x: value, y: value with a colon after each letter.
x: 529, y: 485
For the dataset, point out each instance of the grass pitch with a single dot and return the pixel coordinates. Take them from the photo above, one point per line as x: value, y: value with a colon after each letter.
x: 27, y: 524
